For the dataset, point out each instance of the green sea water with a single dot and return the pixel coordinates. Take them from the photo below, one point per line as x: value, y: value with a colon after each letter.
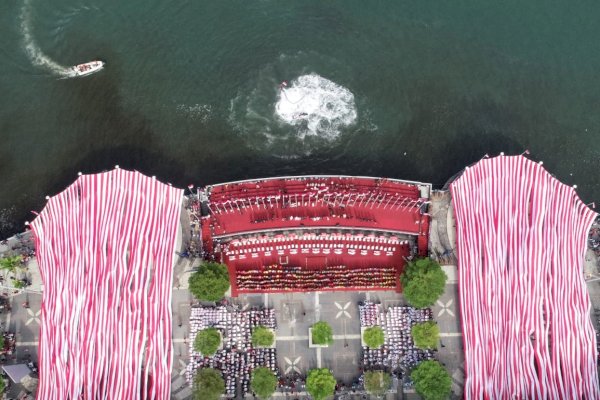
x: 190, y: 90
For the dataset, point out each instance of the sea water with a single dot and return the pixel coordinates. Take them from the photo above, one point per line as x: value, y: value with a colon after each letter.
x: 191, y: 91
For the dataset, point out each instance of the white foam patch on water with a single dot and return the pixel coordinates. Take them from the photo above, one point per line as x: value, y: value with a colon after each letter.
x: 317, y: 106
x: 34, y: 52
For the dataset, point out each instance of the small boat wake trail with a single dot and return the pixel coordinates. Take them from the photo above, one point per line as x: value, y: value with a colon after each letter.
x: 37, y: 57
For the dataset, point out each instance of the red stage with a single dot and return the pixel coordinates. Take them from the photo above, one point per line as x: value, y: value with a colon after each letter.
x: 280, y: 203
x: 316, y: 262
x: 310, y: 262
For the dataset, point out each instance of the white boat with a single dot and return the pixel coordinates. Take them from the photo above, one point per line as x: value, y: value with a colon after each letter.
x: 87, y: 68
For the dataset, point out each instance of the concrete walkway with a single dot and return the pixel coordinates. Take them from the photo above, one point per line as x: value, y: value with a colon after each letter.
x: 442, y: 237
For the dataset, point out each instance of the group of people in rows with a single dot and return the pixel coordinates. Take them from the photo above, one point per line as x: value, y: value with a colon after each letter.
x: 306, y: 185
x: 398, y: 353
x: 285, y: 277
x: 238, y: 357
x: 235, y: 366
x: 235, y: 325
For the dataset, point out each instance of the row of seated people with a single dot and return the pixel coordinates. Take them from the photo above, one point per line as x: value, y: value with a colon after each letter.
x: 343, y: 249
x: 393, y: 220
x: 313, y: 251
x: 313, y: 213
x: 299, y: 186
x: 323, y: 237
x: 336, y: 204
x: 309, y: 244
x: 318, y: 244
x: 281, y: 278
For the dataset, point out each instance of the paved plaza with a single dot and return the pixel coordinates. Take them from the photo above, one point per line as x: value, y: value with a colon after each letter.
x: 296, y: 312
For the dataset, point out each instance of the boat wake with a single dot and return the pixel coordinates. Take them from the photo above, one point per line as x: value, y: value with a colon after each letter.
x: 317, y: 106
x: 35, y: 54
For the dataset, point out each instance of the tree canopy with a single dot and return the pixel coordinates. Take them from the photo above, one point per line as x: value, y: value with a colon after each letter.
x: 262, y: 336
x: 208, y: 384
x: 425, y: 335
x: 210, y: 282
x: 18, y: 284
x: 263, y: 382
x: 431, y: 380
x: 377, y: 383
x: 423, y: 282
x: 11, y: 263
x: 320, y: 383
x: 373, y: 337
x: 207, y: 341
x: 322, y: 333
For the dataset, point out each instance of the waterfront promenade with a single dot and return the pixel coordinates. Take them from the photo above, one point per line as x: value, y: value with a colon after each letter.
x: 291, y: 340
x: 294, y: 311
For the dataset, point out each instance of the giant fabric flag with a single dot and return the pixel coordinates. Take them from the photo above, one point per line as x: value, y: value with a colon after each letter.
x: 525, y: 309
x: 105, y: 251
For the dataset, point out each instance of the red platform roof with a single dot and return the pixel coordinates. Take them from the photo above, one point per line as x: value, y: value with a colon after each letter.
x: 296, y: 202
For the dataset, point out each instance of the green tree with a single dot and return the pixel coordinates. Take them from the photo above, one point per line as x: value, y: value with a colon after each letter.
x: 262, y: 336
x: 2, y: 384
x: 322, y: 333
x: 431, y: 380
x: 18, y: 284
x: 377, y: 383
x: 320, y: 383
x: 423, y: 282
x: 425, y: 335
x: 207, y: 341
x: 373, y: 337
x: 1, y: 342
x: 263, y: 382
x: 11, y: 263
x: 209, y: 282
x: 208, y: 384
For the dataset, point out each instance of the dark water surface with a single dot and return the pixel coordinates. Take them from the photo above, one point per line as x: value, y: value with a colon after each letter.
x: 190, y: 89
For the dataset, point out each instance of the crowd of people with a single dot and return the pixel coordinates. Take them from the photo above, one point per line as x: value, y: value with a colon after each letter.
x: 23, y: 246
x: 311, y: 185
x: 594, y: 238
x: 9, y: 344
x: 236, y: 367
x: 370, y: 314
x: 398, y: 354
x: 237, y: 357
x: 236, y: 326
x: 292, y: 383
x: 291, y: 278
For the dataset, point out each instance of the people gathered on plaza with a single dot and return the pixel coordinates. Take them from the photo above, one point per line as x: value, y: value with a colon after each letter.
x: 295, y: 278
x: 237, y: 357
x: 399, y: 353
